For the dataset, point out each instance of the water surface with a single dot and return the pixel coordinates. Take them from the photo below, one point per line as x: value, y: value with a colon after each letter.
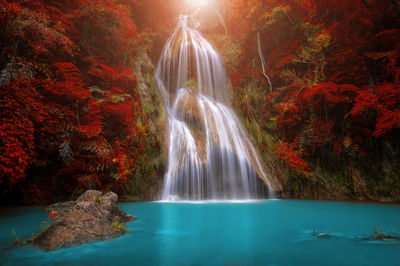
x: 277, y: 232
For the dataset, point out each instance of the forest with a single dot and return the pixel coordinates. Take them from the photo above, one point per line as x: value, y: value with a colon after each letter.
x: 315, y: 82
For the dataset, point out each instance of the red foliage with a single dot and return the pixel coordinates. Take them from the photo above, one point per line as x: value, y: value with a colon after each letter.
x: 21, y: 109
x: 292, y: 158
x: 53, y: 214
x: 386, y: 121
x: 335, y: 70
x: 330, y: 93
x: 70, y: 108
x: 72, y: 86
x: 382, y: 107
x: 363, y: 102
x: 68, y: 96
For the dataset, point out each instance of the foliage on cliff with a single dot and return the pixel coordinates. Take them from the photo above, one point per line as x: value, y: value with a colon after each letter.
x: 333, y: 111
x: 71, y: 115
x: 78, y: 104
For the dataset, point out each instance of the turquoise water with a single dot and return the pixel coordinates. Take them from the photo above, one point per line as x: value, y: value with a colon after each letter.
x: 276, y: 232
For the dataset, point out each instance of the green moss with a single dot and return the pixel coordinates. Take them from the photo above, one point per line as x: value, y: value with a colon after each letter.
x: 227, y: 48
x: 98, y: 201
x: 119, y: 227
x: 146, y: 181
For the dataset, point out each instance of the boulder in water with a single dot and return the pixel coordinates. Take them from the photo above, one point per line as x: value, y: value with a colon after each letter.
x: 92, y: 217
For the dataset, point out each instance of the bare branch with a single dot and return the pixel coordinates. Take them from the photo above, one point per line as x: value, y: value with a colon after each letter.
x: 260, y: 53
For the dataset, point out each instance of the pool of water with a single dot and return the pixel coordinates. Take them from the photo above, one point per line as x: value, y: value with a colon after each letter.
x: 277, y: 232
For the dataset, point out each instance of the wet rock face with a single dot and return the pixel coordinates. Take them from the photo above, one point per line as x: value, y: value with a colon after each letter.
x: 92, y: 217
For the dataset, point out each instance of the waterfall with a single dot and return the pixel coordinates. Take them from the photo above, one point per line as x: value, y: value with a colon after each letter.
x: 210, y: 155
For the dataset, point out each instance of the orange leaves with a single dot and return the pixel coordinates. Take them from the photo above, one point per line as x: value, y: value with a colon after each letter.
x: 347, y: 141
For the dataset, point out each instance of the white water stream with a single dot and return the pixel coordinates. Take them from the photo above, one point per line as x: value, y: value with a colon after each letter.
x: 210, y: 155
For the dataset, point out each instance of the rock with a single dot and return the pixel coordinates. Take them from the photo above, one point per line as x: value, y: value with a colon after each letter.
x: 387, y: 200
x: 60, y: 207
x: 89, y: 196
x: 92, y: 217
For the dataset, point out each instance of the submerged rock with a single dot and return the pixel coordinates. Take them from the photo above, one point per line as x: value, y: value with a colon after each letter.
x: 92, y: 217
x: 321, y: 234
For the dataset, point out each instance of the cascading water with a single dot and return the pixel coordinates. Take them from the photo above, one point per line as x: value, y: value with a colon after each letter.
x: 210, y: 155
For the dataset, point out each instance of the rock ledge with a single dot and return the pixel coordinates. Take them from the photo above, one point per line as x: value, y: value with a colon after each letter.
x: 92, y: 217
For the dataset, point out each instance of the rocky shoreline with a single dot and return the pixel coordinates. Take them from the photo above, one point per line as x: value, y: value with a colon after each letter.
x: 92, y: 217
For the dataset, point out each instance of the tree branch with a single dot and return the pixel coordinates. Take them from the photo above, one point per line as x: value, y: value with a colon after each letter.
x: 260, y: 53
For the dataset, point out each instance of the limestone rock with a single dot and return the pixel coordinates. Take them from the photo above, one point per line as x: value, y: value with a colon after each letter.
x: 89, y: 196
x: 90, y: 218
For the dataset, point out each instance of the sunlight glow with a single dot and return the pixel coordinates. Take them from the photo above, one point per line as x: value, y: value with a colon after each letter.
x: 197, y: 3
